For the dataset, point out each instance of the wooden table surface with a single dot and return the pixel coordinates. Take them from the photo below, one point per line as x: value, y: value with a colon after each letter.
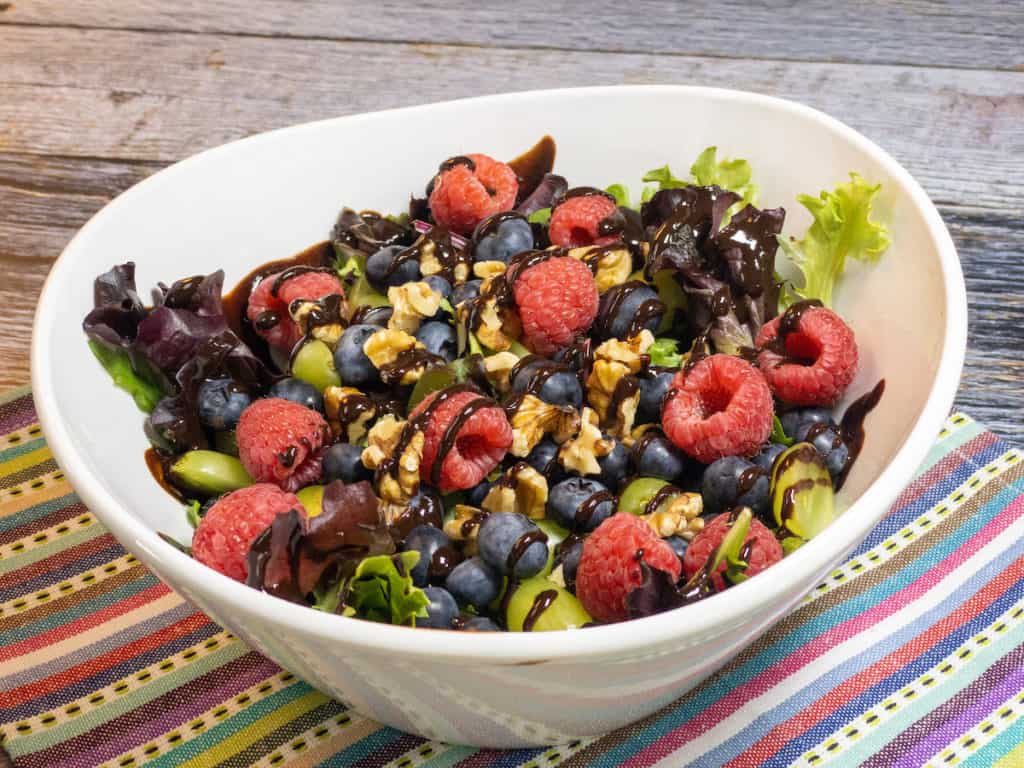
x: 96, y: 95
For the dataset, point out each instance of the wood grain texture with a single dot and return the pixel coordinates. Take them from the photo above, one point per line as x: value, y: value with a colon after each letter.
x: 984, y: 34
x: 86, y: 113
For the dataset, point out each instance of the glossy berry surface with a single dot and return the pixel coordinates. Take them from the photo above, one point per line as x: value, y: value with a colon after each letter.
x: 575, y: 504
x: 622, y: 303
x: 473, y: 582
x: 655, y: 456
x: 733, y: 481
x: 298, y: 391
x: 653, y: 388
x: 766, y: 457
x: 479, y: 624
x: 221, y: 402
x: 828, y: 442
x: 544, y: 458
x: 501, y: 533
x: 511, y: 236
x: 383, y: 271
x: 614, y: 466
x: 574, y: 221
x: 427, y: 540
x: 441, y: 610
x: 558, y: 387
x: 570, y: 564
x: 279, y: 442
x: 438, y: 338
x: 351, y: 361
x: 466, y: 291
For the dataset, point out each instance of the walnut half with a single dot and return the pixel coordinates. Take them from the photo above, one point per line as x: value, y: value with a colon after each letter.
x: 680, y: 516
x: 395, y: 449
x: 413, y: 303
x: 580, y: 453
x: 533, y: 418
x: 611, y: 387
x: 521, y: 489
x: 349, y: 410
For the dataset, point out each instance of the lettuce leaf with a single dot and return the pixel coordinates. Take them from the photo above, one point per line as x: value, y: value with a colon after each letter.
x: 842, y: 229
x: 620, y: 193
x: 664, y: 178
x: 118, y: 364
x: 540, y: 216
x: 381, y: 590
x: 664, y: 352
x: 734, y: 175
x: 778, y: 434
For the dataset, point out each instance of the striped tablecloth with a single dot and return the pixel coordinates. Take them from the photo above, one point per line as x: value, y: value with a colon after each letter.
x: 911, y: 654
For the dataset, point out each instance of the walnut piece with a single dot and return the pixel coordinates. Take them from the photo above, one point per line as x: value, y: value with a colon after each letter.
x: 611, y: 267
x: 464, y: 525
x: 413, y: 303
x: 498, y: 366
x: 580, y: 453
x: 680, y: 516
x: 499, y: 327
x: 521, y: 489
x: 488, y: 269
x: 325, y: 315
x: 429, y: 263
x: 614, y: 360
x: 350, y: 410
x: 534, y: 418
x: 401, y: 479
x: 384, y: 346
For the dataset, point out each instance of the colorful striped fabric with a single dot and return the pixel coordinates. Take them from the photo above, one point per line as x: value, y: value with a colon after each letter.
x: 910, y: 654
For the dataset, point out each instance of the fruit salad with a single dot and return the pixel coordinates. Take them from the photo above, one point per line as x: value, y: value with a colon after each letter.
x: 522, y: 405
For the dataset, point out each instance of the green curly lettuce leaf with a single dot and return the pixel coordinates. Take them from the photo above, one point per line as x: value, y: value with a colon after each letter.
x: 328, y: 598
x: 541, y: 216
x: 732, y: 174
x: 665, y: 352
x: 117, y: 363
x: 381, y: 590
x: 842, y: 229
x: 779, y: 434
x: 620, y: 193
x: 664, y: 178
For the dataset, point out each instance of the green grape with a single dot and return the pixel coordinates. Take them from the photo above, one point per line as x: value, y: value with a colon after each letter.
x: 562, y: 611
x: 432, y: 380
x: 312, y: 498
x: 362, y: 293
x: 803, y: 501
x: 209, y: 472
x: 556, y: 534
x: 314, y: 364
x: 226, y: 442
x: 638, y: 494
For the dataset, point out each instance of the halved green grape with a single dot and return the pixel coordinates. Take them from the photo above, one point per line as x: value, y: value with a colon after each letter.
x: 312, y: 498
x: 226, y: 442
x: 803, y: 501
x: 518, y: 349
x: 314, y: 364
x: 556, y: 535
x: 432, y: 380
x: 539, y: 605
x: 209, y: 472
x: 638, y: 494
x: 363, y: 294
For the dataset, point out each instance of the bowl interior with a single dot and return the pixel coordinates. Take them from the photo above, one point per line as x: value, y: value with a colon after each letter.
x: 274, y: 194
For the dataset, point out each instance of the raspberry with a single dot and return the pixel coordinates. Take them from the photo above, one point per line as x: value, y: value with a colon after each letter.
x: 285, y: 334
x: 720, y: 407
x: 820, y: 360
x: 462, y: 197
x: 557, y: 300
x: 223, y: 536
x: 279, y: 442
x: 574, y: 222
x: 765, y: 549
x: 479, y: 445
x: 609, y: 567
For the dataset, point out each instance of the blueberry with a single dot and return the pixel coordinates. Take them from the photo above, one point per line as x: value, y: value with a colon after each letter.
x: 378, y: 264
x: 512, y: 236
x: 793, y: 420
x: 344, y: 461
x: 678, y: 544
x: 502, y: 535
x: 614, y: 466
x: 439, y: 339
x: 377, y: 316
x: 479, y: 624
x: 653, y: 387
x: 441, y: 610
x: 655, y: 456
x: 633, y: 294
x: 425, y: 539
x: 221, y: 403
x: 828, y: 441
x: 353, y: 365
x: 298, y: 391
x: 570, y: 563
x: 544, y: 458
x: 721, y: 487
x: 767, y: 456
x: 555, y: 383
x: 575, y: 504
x: 468, y: 290
x: 439, y: 285
x: 474, y: 582
x: 475, y: 496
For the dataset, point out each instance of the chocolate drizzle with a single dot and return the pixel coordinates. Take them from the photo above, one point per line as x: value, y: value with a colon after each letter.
x: 295, y: 271
x: 541, y: 603
x: 522, y: 544
x: 531, y: 166
x: 441, y: 564
x: 425, y: 508
x: 612, y: 302
x: 580, y: 192
x: 625, y: 223
x: 662, y: 495
x: 451, y: 434
x: 585, y: 511
x: 790, y: 323
x: 852, y: 427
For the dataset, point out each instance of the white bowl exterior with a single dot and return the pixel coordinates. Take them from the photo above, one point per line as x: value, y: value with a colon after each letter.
x: 272, y: 195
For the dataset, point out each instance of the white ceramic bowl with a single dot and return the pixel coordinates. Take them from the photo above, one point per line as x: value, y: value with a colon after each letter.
x: 271, y: 195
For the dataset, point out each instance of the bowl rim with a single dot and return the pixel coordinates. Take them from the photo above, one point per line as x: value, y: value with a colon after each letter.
x: 635, y: 637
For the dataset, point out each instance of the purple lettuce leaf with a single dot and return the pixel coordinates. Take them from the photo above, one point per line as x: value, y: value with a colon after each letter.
x: 551, y: 186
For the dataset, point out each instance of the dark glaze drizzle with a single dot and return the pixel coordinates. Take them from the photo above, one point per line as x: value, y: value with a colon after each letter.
x: 852, y: 427
x: 585, y: 511
x: 441, y: 564
x: 408, y: 361
x: 580, y: 192
x: 295, y: 271
x: 500, y: 288
x: 625, y: 388
x: 423, y: 509
x: 473, y: 522
x: 531, y: 166
x: 663, y: 494
x: 541, y: 603
x: 648, y: 309
x: 541, y: 370
x: 748, y: 477
x: 157, y: 466
x: 522, y: 544
x: 807, y: 453
x: 351, y: 408
x: 447, y: 255
x: 789, y: 323
x: 451, y: 434
x: 628, y: 226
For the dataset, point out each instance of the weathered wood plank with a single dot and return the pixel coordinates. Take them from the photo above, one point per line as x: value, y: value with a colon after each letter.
x: 958, y: 131
x: 983, y: 34
x: 44, y: 199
